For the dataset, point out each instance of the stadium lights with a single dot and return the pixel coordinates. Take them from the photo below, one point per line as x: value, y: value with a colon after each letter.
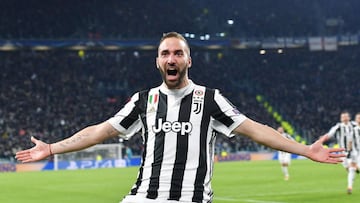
x: 189, y: 35
x: 8, y: 47
x: 112, y: 47
x: 206, y: 37
x: 78, y: 47
x: 41, y: 48
x: 147, y: 47
x: 214, y: 47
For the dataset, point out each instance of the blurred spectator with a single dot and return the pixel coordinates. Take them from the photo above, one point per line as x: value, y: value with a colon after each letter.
x: 141, y: 19
x: 46, y: 94
x: 49, y: 94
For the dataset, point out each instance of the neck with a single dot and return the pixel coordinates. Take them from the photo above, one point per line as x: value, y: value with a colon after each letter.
x: 180, y: 86
x: 183, y: 83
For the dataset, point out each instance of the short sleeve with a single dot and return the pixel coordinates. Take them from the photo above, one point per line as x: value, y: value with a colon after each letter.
x: 127, y: 120
x: 226, y: 116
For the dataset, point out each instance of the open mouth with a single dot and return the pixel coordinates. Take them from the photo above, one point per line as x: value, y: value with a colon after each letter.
x: 172, y: 72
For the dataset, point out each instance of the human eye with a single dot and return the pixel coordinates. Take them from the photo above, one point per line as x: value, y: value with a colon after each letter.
x: 164, y: 53
x: 179, y: 53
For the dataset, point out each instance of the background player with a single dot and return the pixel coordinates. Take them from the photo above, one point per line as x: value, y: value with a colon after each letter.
x: 344, y: 132
x: 284, y: 157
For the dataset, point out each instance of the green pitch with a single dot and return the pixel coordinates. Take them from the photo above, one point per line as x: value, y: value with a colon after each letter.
x: 233, y: 182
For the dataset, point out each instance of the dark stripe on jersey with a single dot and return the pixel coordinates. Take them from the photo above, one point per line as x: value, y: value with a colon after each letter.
x: 142, y: 106
x: 181, y: 150
x: 132, y: 117
x: 158, y: 148
x: 339, y: 137
x: 344, y: 137
x: 202, y: 168
x: 222, y: 117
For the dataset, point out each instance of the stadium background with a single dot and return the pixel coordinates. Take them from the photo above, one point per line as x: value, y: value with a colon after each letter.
x: 66, y: 65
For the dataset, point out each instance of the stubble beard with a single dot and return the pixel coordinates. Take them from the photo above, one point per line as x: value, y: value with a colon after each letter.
x: 177, y: 84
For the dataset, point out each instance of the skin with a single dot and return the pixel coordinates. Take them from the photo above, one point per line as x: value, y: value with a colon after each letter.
x: 345, y: 118
x: 174, y: 54
x: 281, y: 130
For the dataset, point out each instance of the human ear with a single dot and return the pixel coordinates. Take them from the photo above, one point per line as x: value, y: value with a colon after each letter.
x: 157, y: 64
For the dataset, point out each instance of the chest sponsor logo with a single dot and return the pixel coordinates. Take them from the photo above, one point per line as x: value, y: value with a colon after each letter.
x: 176, y: 126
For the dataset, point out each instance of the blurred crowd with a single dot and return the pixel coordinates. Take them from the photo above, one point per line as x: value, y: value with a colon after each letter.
x: 148, y: 19
x: 52, y: 94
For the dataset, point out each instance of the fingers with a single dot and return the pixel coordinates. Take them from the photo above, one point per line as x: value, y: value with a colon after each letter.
x: 332, y: 150
x: 323, y: 139
x: 27, y: 160
x: 34, y: 140
x: 337, y: 157
x: 23, y: 156
x: 31, y: 155
x: 333, y: 160
x: 334, y: 156
x: 22, y: 153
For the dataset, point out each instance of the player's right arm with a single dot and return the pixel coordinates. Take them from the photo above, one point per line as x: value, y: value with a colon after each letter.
x: 84, y: 138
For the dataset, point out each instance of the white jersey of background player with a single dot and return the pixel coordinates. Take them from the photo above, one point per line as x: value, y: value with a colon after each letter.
x: 284, y: 157
x: 344, y: 132
x: 356, y: 140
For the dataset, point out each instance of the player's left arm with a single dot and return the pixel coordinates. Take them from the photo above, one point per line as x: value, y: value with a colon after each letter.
x: 270, y: 137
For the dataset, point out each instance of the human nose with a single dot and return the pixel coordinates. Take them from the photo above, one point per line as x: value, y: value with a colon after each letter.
x: 171, y: 59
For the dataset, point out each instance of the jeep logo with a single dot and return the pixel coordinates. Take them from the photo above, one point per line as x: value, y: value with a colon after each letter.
x: 167, y: 126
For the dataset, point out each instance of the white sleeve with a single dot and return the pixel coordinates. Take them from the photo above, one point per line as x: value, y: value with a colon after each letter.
x: 230, y: 116
x: 127, y: 121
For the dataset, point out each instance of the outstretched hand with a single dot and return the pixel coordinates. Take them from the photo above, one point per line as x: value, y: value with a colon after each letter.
x: 319, y: 153
x: 40, y: 151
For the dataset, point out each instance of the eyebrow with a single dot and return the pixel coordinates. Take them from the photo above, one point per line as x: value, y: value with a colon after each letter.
x: 175, y: 51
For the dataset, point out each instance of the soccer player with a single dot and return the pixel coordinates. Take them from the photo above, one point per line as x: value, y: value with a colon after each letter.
x: 356, y: 145
x: 177, y: 120
x: 344, y: 134
x: 284, y: 157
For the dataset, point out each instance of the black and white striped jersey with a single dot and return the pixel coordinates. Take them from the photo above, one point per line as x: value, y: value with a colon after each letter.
x: 356, y: 139
x: 178, y: 132
x: 343, y: 134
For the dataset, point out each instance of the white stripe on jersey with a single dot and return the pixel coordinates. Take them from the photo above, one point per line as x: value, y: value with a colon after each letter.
x: 356, y: 138
x: 343, y: 133
x: 177, y: 127
x: 192, y: 157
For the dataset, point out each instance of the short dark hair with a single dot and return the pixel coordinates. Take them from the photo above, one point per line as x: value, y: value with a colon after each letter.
x: 345, y: 112
x: 175, y: 35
